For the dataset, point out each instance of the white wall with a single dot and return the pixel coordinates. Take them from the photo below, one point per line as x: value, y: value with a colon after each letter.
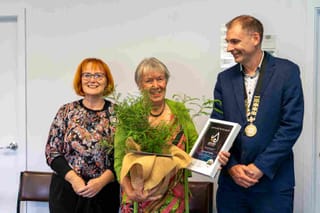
x: 185, y: 35
x: 311, y: 153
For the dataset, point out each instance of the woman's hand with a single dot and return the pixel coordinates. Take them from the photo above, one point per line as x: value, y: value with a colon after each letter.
x: 75, y: 180
x: 138, y: 194
x: 158, y: 191
x: 133, y: 194
x: 223, y: 157
x: 93, y: 187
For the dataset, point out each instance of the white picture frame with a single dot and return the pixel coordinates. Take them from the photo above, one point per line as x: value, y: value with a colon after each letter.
x: 217, y: 135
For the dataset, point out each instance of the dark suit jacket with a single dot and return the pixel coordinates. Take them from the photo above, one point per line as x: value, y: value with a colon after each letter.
x: 279, y: 122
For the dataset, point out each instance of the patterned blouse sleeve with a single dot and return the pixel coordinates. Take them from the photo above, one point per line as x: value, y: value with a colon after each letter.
x: 55, y: 143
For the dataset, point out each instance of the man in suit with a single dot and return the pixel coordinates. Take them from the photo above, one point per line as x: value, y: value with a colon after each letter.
x: 264, y: 95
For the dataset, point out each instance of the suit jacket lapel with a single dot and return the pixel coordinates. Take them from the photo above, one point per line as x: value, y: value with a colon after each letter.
x: 267, y: 73
x: 238, y: 87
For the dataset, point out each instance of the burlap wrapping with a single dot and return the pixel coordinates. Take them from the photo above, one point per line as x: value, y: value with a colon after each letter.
x: 148, y: 171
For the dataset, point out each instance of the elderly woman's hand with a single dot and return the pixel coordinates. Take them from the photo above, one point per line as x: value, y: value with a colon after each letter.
x: 224, y: 157
x: 137, y: 194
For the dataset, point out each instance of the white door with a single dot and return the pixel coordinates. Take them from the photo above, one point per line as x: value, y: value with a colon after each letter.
x: 13, y: 105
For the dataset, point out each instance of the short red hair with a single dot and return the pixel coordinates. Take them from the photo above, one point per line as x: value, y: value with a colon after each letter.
x: 96, y: 64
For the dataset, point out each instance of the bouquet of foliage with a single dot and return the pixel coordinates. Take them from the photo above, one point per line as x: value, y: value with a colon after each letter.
x: 133, y: 112
x: 132, y: 115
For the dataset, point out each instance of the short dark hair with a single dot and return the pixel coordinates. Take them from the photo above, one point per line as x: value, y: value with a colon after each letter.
x: 248, y: 23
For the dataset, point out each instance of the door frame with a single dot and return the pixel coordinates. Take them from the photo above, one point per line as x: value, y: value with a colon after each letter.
x: 317, y: 109
x: 20, y: 15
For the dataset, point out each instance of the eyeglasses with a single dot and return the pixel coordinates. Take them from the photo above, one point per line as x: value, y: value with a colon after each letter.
x: 97, y: 76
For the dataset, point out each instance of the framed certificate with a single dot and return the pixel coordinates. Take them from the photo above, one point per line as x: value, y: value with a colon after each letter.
x: 216, y: 136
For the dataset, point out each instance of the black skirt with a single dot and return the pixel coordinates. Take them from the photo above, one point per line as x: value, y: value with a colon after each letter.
x: 62, y: 198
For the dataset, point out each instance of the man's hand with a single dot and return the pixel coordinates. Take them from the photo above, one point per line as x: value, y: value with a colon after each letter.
x: 223, y: 157
x: 253, y: 171
x: 240, y: 177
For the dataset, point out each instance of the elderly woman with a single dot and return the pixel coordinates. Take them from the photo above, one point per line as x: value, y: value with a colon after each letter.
x: 152, y: 76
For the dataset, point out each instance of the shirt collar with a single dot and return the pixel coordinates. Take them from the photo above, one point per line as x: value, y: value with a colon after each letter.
x: 259, y: 66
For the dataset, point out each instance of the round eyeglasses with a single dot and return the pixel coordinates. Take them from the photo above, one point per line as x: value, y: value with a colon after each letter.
x: 97, y: 76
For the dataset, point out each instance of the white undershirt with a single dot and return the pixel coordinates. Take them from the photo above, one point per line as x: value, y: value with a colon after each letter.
x: 250, y: 82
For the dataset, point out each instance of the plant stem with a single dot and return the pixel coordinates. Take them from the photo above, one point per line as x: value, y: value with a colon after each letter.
x: 186, y: 191
x: 135, y: 207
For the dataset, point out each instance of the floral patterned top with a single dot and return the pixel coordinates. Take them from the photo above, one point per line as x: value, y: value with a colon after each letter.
x: 81, y: 139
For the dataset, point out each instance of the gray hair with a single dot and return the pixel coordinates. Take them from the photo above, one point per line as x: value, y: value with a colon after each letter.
x: 147, y: 64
